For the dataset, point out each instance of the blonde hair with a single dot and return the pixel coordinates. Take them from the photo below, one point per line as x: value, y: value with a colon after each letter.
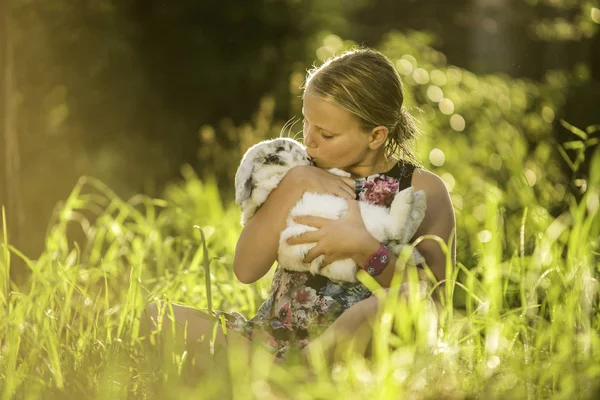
x: 366, y: 83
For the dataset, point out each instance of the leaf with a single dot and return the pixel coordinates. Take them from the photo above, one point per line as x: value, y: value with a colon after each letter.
x: 573, y: 129
x: 574, y: 145
x: 592, y: 129
x: 594, y: 179
x: 592, y: 142
x: 564, y: 154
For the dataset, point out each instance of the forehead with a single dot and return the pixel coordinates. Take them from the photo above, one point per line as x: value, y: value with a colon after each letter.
x: 327, y: 115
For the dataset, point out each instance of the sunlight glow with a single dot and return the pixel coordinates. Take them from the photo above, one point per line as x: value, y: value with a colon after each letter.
x: 437, y: 157
x: 484, y: 236
x: 457, y: 122
x: 530, y: 177
x: 446, y: 106
x: 479, y: 212
x: 548, y: 114
x: 493, y: 362
x: 434, y: 93
x: 449, y: 181
x: 438, y: 77
x: 595, y: 14
x: 492, y: 340
x: 421, y: 76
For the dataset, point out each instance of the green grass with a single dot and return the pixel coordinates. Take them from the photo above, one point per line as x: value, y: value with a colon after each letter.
x: 518, y: 316
x: 525, y: 324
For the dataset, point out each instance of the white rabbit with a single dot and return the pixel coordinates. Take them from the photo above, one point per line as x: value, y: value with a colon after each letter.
x: 266, y: 163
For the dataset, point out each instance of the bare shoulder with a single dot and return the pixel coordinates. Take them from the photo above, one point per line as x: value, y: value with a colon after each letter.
x: 439, y: 220
x: 433, y: 186
x: 439, y: 215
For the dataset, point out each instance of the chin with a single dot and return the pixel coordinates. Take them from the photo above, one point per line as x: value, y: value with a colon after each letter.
x: 320, y: 164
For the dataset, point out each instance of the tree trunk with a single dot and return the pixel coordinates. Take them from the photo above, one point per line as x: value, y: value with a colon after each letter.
x: 10, y: 179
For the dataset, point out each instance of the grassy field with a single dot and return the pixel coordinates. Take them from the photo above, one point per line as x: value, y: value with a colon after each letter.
x: 519, y: 315
x: 526, y: 324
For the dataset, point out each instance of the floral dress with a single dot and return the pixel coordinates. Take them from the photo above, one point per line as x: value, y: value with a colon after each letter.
x: 300, y: 305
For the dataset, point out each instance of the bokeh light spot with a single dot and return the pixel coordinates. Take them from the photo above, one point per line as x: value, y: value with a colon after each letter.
x: 446, y: 106
x: 530, y: 177
x: 548, y: 114
x: 479, y: 212
x: 438, y: 77
x: 420, y: 76
x: 449, y: 181
x: 434, y: 93
x: 484, y: 236
x: 437, y: 157
x: 595, y: 15
x: 457, y: 122
x: 454, y: 74
x: 404, y: 66
x: 410, y: 59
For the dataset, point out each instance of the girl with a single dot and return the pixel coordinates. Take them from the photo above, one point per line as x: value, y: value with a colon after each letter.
x: 354, y: 120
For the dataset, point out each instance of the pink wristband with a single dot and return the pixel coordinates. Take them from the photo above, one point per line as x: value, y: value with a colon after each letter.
x: 378, y: 261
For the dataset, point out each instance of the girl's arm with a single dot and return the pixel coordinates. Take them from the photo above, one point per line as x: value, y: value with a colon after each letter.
x: 257, y: 246
x: 358, y: 244
x: 439, y: 221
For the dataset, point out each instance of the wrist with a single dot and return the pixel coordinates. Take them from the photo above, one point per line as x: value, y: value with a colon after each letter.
x: 378, y: 261
x: 371, y: 245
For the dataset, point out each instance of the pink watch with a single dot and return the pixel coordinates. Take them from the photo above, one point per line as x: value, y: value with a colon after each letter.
x: 378, y: 261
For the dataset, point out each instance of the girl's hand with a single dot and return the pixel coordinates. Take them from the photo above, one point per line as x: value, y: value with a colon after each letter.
x: 338, y: 239
x: 317, y: 180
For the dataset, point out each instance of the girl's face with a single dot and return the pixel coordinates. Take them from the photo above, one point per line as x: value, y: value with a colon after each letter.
x: 333, y: 137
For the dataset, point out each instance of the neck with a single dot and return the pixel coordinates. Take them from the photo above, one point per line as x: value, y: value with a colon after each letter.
x: 372, y: 167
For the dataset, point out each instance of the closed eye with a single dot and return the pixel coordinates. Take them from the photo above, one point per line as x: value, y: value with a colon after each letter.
x: 324, y: 135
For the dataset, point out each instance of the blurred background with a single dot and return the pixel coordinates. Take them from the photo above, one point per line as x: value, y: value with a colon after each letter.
x: 129, y: 91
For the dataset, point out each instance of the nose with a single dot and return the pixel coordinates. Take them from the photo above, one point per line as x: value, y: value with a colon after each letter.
x: 308, y: 136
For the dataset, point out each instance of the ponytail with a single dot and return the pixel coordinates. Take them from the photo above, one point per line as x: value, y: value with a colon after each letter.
x: 402, y: 137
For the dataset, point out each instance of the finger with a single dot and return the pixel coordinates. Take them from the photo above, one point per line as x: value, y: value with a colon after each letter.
x: 350, y: 182
x: 325, y: 262
x: 313, y: 253
x: 310, y: 220
x: 347, y: 193
x: 307, y: 237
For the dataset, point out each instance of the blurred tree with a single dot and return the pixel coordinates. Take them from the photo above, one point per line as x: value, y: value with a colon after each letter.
x: 119, y: 89
x: 523, y: 38
x: 207, y: 61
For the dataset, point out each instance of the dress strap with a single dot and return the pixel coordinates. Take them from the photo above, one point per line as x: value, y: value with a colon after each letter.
x: 406, y: 176
x: 403, y: 172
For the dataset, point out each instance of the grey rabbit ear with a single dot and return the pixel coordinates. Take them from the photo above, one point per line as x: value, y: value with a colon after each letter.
x: 243, y: 178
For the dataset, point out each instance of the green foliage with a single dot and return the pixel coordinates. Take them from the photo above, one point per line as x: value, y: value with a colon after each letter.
x: 72, y: 331
x: 518, y: 318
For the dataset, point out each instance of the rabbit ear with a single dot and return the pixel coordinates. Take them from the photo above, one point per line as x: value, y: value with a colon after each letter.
x: 243, y: 178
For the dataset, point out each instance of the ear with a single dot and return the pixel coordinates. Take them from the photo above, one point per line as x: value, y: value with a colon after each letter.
x: 378, y: 136
x: 243, y: 178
